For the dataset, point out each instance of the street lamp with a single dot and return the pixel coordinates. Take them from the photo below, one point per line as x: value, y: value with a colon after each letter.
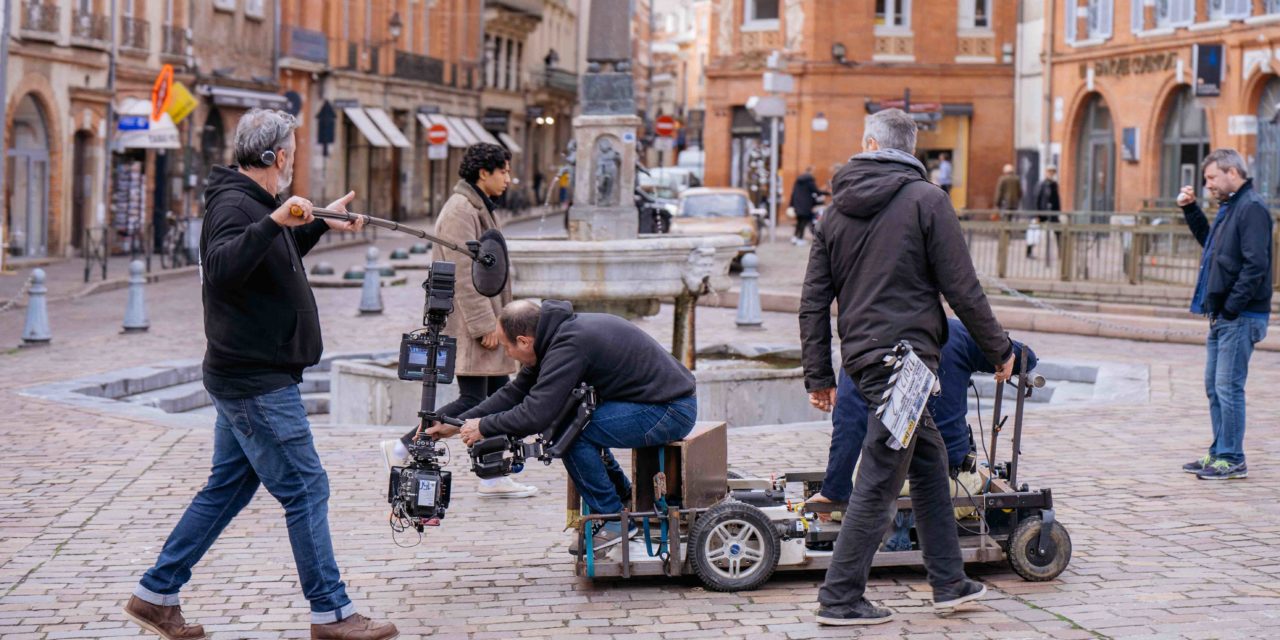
x: 841, y: 54
x: 395, y: 27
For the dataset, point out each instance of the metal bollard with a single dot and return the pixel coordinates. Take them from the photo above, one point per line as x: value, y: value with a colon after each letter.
x: 749, y: 294
x: 36, y: 331
x: 371, y: 292
x: 135, y: 312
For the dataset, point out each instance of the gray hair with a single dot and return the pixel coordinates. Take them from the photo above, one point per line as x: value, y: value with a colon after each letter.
x: 1226, y: 159
x: 260, y: 131
x: 891, y: 129
x: 520, y: 318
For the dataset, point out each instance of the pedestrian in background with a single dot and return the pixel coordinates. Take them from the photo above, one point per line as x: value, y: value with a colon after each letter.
x: 1008, y: 190
x: 1233, y: 290
x: 804, y: 196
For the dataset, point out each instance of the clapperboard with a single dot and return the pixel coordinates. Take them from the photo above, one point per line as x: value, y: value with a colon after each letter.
x: 903, y: 402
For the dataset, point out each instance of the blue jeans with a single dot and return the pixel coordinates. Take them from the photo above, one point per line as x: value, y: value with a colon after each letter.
x: 848, y: 430
x: 1230, y: 345
x: 622, y: 425
x: 262, y: 439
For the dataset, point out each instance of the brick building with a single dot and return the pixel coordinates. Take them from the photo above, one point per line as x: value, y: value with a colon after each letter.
x: 954, y: 58
x: 1127, y: 122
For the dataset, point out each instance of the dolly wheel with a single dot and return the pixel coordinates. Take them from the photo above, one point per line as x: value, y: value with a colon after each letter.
x: 734, y: 547
x: 1026, y: 557
x: 734, y: 475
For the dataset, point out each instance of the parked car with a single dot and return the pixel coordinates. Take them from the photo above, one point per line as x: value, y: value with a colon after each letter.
x: 718, y: 210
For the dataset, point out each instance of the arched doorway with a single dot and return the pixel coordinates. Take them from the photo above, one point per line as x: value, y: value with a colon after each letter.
x: 1186, y: 143
x: 1095, y: 158
x: 1266, y: 168
x: 27, y: 191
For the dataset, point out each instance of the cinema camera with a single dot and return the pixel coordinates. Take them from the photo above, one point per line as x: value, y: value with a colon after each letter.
x: 497, y: 456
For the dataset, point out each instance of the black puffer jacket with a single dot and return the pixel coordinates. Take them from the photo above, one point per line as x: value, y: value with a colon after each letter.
x: 260, y: 317
x: 895, y: 245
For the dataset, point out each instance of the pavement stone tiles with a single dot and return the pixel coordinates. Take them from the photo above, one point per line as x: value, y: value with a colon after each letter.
x: 87, y: 497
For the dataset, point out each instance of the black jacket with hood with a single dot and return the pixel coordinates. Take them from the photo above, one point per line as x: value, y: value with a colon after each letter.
x: 260, y: 317
x: 617, y: 358
x: 893, y: 247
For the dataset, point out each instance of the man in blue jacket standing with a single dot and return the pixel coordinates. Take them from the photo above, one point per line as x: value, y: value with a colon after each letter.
x: 1233, y: 290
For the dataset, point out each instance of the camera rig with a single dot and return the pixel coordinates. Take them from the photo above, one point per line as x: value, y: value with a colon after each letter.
x: 497, y: 456
x: 419, y: 491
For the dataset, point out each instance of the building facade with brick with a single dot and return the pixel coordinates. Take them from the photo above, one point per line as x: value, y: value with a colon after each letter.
x: 851, y: 58
x: 1139, y: 93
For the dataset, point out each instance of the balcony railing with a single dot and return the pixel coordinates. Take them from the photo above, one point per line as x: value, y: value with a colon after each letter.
x: 561, y: 80
x: 135, y: 35
x: 174, y: 41
x: 412, y: 66
x: 89, y: 29
x: 40, y: 21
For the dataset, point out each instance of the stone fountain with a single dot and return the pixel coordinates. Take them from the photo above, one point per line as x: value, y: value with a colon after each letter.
x: 605, y: 265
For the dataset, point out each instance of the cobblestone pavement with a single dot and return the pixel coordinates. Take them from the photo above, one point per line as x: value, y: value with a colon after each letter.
x: 86, y: 500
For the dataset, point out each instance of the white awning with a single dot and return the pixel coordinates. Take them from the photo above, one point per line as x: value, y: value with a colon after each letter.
x: 136, y: 129
x: 480, y: 132
x: 456, y: 140
x: 246, y: 99
x: 456, y: 124
x: 369, y: 130
x: 389, y: 128
x: 509, y: 142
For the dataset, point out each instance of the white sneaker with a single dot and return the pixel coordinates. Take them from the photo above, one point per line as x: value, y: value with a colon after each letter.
x: 505, y: 487
x: 389, y: 457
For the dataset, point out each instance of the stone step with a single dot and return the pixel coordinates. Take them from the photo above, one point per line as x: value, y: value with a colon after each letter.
x: 190, y: 396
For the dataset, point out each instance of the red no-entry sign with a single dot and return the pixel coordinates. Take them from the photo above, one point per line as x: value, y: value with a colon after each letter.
x: 437, y: 134
x: 665, y: 126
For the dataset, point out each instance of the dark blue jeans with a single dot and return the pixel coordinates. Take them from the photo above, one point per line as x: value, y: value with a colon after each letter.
x: 263, y: 439
x: 1230, y: 346
x: 848, y: 430
x: 622, y: 425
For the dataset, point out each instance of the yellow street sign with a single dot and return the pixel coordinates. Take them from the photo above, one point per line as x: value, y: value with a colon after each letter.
x: 182, y: 103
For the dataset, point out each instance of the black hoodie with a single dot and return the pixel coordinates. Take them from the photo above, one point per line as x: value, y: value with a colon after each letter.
x: 895, y: 245
x: 260, y: 317
x: 617, y: 358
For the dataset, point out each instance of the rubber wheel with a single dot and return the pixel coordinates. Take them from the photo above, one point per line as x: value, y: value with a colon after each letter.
x: 1025, y: 557
x: 734, y: 547
x: 734, y: 475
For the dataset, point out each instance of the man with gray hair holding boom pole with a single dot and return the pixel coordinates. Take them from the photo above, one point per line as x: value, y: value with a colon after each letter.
x: 1233, y: 290
x: 888, y: 246
x: 263, y: 329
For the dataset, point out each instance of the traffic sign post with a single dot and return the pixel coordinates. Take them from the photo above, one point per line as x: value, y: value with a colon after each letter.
x: 438, y: 136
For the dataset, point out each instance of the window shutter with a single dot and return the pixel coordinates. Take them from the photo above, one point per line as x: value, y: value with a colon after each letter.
x: 1137, y: 17
x: 967, y: 13
x: 1106, y: 9
x: 1071, y: 20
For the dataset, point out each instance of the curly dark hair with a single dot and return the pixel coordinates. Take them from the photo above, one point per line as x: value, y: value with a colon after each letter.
x: 489, y: 157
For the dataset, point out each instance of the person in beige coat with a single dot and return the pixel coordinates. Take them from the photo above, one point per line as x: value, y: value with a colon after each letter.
x: 481, y: 366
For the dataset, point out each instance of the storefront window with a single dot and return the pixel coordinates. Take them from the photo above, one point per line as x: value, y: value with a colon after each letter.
x: 1186, y: 143
x: 893, y: 13
x: 1095, y: 158
x: 1266, y: 167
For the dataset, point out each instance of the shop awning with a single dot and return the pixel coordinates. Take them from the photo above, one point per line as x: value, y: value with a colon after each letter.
x: 456, y: 124
x: 246, y: 98
x: 509, y: 142
x: 136, y: 130
x: 370, y: 131
x: 480, y: 131
x: 456, y: 140
x: 388, y: 127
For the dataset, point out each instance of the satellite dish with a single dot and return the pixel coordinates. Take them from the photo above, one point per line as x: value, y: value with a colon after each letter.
x: 490, y: 267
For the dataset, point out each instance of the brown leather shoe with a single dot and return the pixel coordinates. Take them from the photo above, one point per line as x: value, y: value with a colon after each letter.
x: 166, y: 622
x: 355, y: 627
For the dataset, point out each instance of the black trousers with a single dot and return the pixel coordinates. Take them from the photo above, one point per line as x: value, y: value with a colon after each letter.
x: 802, y: 223
x: 876, y: 489
x: 472, y: 390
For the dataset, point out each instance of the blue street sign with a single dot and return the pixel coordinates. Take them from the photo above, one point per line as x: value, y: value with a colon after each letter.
x: 134, y: 123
